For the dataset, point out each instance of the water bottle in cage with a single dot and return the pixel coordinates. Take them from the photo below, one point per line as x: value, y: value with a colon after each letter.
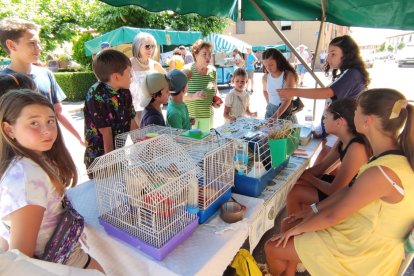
x: 241, y: 157
x: 192, y: 200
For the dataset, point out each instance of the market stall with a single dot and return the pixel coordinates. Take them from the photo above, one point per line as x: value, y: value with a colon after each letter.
x: 223, y: 45
x: 121, y: 39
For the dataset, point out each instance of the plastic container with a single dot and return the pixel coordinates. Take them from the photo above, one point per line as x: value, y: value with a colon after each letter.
x: 192, y: 197
x: 293, y: 141
x: 278, y: 151
x: 241, y: 157
x: 251, y: 186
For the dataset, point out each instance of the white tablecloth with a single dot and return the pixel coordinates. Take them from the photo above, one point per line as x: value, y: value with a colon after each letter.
x: 208, y: 251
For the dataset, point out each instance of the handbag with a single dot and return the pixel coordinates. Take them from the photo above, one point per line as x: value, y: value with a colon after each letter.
x: 65, y: 236
x: 295, y: 106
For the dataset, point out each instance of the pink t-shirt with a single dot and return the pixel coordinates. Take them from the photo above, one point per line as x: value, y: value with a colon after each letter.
x: 26, y: 183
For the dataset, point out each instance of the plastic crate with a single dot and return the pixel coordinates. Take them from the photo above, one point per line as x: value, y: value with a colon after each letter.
x: 251, y: 186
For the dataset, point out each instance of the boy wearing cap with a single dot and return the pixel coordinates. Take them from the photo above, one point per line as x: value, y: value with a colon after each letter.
x: 177, y: 112
x: 108, y: 105
x: 156, y: 92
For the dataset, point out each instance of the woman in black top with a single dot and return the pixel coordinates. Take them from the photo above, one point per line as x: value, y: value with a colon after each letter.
x: 351, y: 153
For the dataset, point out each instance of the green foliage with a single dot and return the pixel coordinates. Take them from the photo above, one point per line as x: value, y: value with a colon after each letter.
x: 390, y: 48
x: 60, y: 20
x: 63, y: 21
x: 400, y: 45
x: 79, y: 51
x: 110, y: 18
x: 76, y: 84
x: 382, y: 47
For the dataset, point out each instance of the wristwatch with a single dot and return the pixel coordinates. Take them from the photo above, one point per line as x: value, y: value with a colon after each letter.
x: 314, y: 208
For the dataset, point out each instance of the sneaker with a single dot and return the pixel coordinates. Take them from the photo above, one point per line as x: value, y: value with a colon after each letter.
x: 300, y: 268
x: 264, y: 269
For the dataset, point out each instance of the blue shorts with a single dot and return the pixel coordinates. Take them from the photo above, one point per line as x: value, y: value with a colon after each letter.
x: 301, y: 69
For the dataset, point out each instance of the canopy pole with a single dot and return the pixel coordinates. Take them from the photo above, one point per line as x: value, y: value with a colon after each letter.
x: 286, y: 41
x: 324, y: 4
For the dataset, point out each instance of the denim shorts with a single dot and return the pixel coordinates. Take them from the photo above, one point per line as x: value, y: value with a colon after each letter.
x: 301, y: 69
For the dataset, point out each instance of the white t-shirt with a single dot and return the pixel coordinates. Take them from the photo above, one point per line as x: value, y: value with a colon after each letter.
x: 238, y: 102
x: 26, y: 183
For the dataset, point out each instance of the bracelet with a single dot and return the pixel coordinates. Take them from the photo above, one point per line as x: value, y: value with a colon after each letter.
x: 314, y: 208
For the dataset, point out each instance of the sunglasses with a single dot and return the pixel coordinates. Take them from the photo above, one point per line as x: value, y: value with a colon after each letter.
x: 336, y: 115
x: 149, y: 46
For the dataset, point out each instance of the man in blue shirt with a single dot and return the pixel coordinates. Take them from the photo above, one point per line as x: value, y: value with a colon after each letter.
x: 250, y: 61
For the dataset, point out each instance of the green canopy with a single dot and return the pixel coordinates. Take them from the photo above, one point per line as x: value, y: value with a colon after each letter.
x: 394, y: 14
x: 226, y: 8
x: 281, y: 47
x: 126, y: 35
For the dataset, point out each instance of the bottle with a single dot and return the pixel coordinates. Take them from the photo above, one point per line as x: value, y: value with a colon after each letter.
x: 192, y: 196
x: 241, y: 157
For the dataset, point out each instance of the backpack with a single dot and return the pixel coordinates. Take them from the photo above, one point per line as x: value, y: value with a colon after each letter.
x: 245, y: 264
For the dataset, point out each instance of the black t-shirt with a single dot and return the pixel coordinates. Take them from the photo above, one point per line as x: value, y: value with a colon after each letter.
x: 151, y: 116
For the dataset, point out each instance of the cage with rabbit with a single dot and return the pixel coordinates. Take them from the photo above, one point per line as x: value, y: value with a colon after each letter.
x: 147, y: 194
x: 138, y: 135
x: 214, y: 159
x: 253, y: 158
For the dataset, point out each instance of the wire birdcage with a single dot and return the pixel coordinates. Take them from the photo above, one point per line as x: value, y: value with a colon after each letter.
x: 143, y: 189
x: 131, y: 137
x: 215, y: 169
x: 252, y: 135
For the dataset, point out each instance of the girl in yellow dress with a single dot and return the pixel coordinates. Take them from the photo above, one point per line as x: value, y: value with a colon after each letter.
x: 360, y: 230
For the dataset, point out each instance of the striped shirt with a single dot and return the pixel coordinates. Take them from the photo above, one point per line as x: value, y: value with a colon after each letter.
x: 207, y: 83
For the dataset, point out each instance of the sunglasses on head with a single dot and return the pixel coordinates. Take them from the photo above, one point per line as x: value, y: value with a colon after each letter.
x: 149, y: 46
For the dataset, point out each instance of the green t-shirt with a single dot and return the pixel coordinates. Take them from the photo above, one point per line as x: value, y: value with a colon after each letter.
x: 177, y: 115
x: 207, y: 83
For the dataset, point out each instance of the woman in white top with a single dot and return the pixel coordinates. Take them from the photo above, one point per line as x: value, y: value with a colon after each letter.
x: 279, y: 74
x: 144, y: 47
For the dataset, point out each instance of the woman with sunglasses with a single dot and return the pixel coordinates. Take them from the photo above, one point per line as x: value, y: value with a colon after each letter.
x: 202, y: 86
x: 144, y: 48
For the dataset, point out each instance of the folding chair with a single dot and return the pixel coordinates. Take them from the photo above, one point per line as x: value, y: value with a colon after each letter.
x: 409, y: 248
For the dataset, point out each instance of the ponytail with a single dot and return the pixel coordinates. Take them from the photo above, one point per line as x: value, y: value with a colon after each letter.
x: 406, y: 137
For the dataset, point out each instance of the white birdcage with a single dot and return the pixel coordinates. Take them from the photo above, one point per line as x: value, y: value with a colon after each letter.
x: 215, y: 168
x: 133, y: 136
x: 143, y: 190
x: 251, y: 135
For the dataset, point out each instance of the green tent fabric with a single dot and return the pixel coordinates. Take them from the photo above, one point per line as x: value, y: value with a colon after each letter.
x: 126, y: 35
x: 393, y: 14
x: 281, y: 47
x: 226, y: 8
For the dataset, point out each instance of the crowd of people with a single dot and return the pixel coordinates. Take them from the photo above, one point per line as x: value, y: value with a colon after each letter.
x: 351, y: 211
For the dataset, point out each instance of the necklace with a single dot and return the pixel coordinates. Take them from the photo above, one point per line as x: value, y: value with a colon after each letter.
x: 141, y: 66
x: 200, y: 71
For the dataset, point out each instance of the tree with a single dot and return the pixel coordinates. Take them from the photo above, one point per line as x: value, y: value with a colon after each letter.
x: 108, y: 18
x: 390, y: 48
x: 59, y: 20
x: 400, y: 45
x: 79, y: 51
x: 62, y: 21
x: 382, y: 47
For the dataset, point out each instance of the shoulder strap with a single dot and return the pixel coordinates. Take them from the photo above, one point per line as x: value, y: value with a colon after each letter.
x: 394, y: 152
x: 395, y: 185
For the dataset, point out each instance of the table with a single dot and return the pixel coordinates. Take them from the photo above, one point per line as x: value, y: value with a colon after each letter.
x: 274, y: 195
x: 209, y: 250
